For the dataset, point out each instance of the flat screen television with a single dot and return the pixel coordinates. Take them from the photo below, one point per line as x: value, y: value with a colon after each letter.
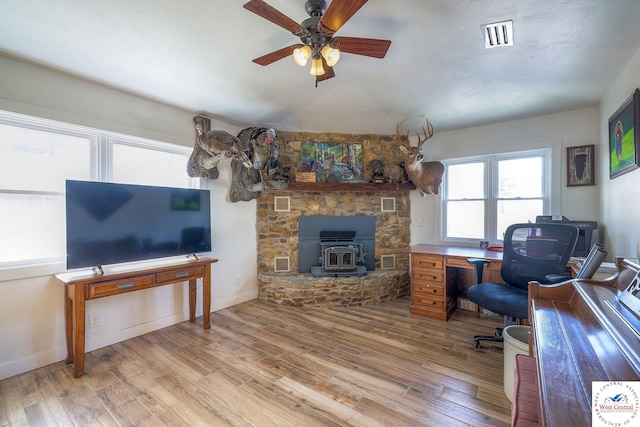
x: 109, y: 223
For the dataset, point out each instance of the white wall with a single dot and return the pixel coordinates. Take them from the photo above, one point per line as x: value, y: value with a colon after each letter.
x: 556, y: 131
x: 31, y: 309
x: 619, y: 197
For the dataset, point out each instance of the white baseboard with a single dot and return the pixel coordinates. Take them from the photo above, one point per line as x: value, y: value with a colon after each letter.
x: 33, y: 361
x: 134, y: 331
x: 236, y: 299
x: 59, y: 352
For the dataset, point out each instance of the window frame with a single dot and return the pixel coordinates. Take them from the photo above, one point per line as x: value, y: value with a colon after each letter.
x: 490, y: 197
x: 101, y: 162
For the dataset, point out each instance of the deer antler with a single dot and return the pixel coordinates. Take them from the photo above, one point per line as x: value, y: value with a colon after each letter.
x: 428, y: 133
x: 402, y: 139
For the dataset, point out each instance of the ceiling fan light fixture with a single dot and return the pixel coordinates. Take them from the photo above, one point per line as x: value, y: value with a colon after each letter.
x: 301, y: 55
x: 316, y: 67
x: 331, y: 55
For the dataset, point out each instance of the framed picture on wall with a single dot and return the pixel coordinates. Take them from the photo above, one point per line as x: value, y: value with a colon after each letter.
x: 332, y: 162
x: 581, y: 166
x: 624, y: 137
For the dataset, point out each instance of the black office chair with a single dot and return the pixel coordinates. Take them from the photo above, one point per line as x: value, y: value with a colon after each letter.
x: 530, y: 252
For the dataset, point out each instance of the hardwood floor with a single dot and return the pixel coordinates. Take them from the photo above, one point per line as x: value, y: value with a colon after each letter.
x: 263, y: 365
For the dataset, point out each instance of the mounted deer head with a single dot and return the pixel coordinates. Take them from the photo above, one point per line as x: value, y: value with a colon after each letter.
x: 426, y: 176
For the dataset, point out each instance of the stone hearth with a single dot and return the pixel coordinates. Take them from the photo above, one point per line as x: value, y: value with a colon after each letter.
x: 302, y: 290
x: 277, y: 232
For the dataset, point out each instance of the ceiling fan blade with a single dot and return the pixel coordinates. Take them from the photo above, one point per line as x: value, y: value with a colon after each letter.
x: 270, y: 13
x: 328, y: 72
x: 277, y: 55
x: 375, y: 48
x: 338, y: 12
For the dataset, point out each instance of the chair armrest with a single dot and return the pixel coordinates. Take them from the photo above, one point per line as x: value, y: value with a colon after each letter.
x: 555, y: 278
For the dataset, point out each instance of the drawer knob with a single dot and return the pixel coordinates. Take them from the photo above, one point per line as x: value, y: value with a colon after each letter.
x: 182, y: 274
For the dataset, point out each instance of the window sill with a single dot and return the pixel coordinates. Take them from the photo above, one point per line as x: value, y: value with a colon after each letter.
x: 27, y: 271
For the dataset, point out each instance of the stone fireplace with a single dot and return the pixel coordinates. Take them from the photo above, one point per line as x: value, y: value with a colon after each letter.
x: 278, y: 231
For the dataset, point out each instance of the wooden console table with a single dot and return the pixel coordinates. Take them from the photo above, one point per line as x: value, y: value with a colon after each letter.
x: 87, y: 285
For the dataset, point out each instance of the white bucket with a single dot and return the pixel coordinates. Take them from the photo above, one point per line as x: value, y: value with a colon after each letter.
x: 516, y: 341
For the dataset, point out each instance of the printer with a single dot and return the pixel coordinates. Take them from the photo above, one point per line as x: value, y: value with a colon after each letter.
x: 585, y: 229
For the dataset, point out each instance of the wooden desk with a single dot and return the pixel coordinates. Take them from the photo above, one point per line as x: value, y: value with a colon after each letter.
x: 440, y: 273
x: 86, y: 285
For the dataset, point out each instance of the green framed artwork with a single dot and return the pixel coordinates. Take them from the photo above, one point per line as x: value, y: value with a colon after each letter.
x: 332, y: 162
x: 624, y: 140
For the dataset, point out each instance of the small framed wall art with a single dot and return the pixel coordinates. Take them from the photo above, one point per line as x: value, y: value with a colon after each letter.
x: 581, y: 166
x: 624, y: 137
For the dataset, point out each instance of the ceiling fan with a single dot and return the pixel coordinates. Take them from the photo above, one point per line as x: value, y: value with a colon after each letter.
x: 317, y: 35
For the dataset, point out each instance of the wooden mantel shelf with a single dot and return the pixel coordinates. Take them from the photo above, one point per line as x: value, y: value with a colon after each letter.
x: 348, y: 186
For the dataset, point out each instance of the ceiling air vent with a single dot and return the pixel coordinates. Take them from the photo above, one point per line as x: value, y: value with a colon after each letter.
x: 498, y: 34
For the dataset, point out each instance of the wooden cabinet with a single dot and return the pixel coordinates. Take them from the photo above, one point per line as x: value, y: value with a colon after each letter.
x: 440, y: 273
x: 428, y: 293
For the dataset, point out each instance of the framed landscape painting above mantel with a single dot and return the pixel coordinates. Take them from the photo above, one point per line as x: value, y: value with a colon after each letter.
x: 332, y: 162
x: 624, y: 137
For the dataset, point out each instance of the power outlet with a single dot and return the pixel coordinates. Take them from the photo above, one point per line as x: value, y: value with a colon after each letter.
x: 94, y: 320
x: 420, y: 222
x: 236, y: 281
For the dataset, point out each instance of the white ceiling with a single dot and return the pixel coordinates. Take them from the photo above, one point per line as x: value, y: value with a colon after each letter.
x: 196, y: 54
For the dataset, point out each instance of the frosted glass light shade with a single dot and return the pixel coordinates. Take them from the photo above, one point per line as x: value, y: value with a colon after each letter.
x: 301, y: 55
x: 331, y: 55
x: 316, y: 67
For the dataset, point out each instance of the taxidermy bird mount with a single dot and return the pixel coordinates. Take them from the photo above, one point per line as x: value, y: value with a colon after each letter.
x: 317, y: 35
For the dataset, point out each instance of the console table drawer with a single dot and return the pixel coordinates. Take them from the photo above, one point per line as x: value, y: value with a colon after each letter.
x: 177, y: 275
x: 428, y: 289
x: 113, y: 287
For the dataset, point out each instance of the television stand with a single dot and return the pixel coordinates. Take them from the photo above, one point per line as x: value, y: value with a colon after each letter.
x: 85, y: 285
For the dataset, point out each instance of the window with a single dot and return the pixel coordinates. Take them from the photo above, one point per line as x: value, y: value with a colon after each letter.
x: 482, y: 196
x: 37, y: 156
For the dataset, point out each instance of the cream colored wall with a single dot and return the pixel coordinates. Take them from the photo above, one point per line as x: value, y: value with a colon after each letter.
x: 556, y: 131
x: 619, y: 197
x: 31, y: 309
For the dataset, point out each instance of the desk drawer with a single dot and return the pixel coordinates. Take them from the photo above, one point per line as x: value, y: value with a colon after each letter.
x: 462, y: 263
x: 114, y: 287
x: 427, y: 289
x: 427, y: 275
x: 427, y: 301
x: 179, y: 275
x: 427, y: 261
